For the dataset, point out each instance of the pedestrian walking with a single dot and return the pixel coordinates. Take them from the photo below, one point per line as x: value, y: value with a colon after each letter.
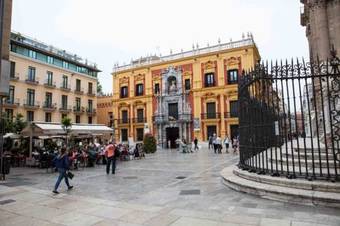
x: 62, y: 164
x: 111, y: 158
x: 218, y: 142
x: 235, y: 144
x: 196, y: 144
x: 214, y: 142
x: 226, y: 143
x: 210, y: 140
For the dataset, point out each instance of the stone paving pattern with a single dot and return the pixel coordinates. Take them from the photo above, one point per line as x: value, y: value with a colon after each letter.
x: 149, y: 192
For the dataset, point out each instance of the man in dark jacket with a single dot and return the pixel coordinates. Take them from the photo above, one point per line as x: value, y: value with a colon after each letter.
x: 62, y: 164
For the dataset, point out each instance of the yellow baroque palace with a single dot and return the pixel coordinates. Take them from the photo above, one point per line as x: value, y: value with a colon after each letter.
x: 184, y: 95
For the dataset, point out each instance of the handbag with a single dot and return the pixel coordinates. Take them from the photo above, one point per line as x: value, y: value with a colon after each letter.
x: 70, y: 175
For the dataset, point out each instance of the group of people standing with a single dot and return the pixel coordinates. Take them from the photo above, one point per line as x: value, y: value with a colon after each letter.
x: 216, y: 143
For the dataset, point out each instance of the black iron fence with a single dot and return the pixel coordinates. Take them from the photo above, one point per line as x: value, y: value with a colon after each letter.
x: 289, y: 119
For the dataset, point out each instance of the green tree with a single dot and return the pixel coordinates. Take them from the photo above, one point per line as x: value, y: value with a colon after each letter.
x: 149, y: 143
x: 19, y: 124
x: 99, y: 89
x: 66, y: 125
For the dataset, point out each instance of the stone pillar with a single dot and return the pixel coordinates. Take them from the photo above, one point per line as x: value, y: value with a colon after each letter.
x: 222, y: 103
x: 320, y: 31
x: 131, y: 132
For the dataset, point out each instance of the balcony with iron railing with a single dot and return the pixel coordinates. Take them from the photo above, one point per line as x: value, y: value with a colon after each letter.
x: 14, y: 77
x: 139, y: 120
x: 91, y: 111
x: 11, y: 102
x: 230, y: 115
x: 65, y: 87
x: 211, y: 115
x: 31, y: 104
x: 78, y: 109
x: 49, y: 84
x: 123, y: 121
x: 48, y: 106
x: 32, y: 80
x: 91, y: 93
x: 79, y: 91
x: 208, y: 85
x: 65, y: 108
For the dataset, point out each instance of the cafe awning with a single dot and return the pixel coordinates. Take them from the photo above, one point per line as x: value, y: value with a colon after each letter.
x: 55, y: 129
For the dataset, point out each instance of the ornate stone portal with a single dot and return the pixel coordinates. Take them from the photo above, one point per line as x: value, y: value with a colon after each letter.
x: 173, y: 111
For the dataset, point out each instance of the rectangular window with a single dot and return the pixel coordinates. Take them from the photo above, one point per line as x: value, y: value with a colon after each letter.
x: 78, y: 85
x: 31, y: 73
x: 30, y: 97
x: 124, y: 116
x: 48, y: 99
x: 139, y: 90
x: 123, y: 92
x: 90, y: 91
x: 140, y: 115
x: 232, y: 76
x: 64, y: 102
x: 65, y: 82
x: 49, y: 78
x: 50, y: 60
x: 233, y: 109
x: 32, y: 54
x: 209, y: 80
x: 90, y: 120
x: 156, y: 90
x: 48, y: 117
x: 90, y: 105
x: 211, y: 110
x: 124, y: 134
x: 12, y: 70
x: 173, y: 111
x: 30, y: 116
x: 9, y: 114
x: 77, y: 118
x: 10, y: 99
x: 187, y: 84
x: 78, y: 103
x: 140, y: 134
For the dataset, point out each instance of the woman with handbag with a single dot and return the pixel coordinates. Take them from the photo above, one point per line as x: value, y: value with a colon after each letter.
x: 62, y: 165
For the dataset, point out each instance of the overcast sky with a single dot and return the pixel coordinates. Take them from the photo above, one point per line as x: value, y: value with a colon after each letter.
x: 110, y: 31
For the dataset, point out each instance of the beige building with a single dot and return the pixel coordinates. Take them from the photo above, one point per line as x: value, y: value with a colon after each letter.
x: 47, y: 84
x: 322, y: 21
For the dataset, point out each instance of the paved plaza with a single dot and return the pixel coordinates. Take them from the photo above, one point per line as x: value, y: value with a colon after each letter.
x: 166, y: 188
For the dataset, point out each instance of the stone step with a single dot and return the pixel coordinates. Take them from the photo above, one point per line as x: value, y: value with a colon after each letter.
x: 279, y: 193
x: 317, y: 163
x: 315, y: 185
x: 310, y: 156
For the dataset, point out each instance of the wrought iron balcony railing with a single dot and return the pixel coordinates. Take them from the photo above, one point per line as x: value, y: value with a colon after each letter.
x: 48, y: 106
x: 212, y: 115
x: 230, y: 115
x: 65, y: 87
x: 91, y: 111
x: 139, y: 120
x: 78, y: 109
x: 31, y: 104
x: 124, y: 121
x: 79, y: 91
x: 65, y: 108
x: 13, y: 102
x: 49, y: 84
x: 91, y: 93
x: 32, y: 81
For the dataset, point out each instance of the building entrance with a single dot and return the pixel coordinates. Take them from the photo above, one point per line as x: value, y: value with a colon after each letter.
x: 210, y: 131
x: 172, y: 134
x: 233, y: 131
